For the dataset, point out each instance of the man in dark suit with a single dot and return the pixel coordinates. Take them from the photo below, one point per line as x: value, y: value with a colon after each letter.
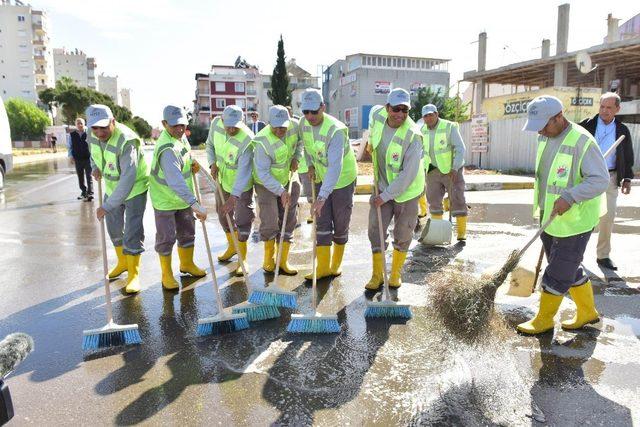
x: 80, y: 155
x: 606, y: 129
x: 255, y: 125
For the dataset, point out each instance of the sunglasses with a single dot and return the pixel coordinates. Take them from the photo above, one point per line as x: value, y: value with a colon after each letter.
x: 398, y: 109
x: 312, y: 112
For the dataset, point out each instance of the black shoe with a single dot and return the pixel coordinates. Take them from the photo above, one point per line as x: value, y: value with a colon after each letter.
x: 90, y: 193
x: 89, y: 198
x: 82, y: 196
x: 607, y: 263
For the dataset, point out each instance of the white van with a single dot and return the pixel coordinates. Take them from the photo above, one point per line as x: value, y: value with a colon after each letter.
x: 6, y: 157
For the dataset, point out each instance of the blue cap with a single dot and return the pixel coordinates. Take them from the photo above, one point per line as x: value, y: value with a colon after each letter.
x: 98, y: 115
x: 278, y: 116
x: 231, y: 116
x: 399, y: 96
x: 175, y: 115
x: 540, y: 110
x: 311, y: 99
x: 429, y: 109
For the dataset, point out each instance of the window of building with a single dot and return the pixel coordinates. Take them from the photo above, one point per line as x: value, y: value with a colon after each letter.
x: 413, y: 63
x: 378, y: 61
x: 220, y: 87
x: 221, y: 103
x: 404, y: 63
x: 240, y: 103
x: 24, y: 63
x: 20, y: 18
x: 239, y: 87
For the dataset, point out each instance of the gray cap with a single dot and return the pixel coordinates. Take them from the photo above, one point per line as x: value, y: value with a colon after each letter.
x: 311, y: 99
x: 278, y: 116
x: 399, y: 96
x: 429, y: 109
x: 540, y: 110
x: 175, y: 115
x: 98, y: 115
x: 231, y: 116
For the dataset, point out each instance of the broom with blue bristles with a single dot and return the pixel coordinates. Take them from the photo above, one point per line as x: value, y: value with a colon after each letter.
x: 385, y: 307
x: 222, y: 322
x: 315, y: 322
x: 273, y: 294
x: 112, y: 334
x: 254, y: 312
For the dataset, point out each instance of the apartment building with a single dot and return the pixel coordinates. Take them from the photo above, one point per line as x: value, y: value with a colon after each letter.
x: 225, y: 85
x: 351, y: 86
x: 26, y: 59
x: 77, y: 66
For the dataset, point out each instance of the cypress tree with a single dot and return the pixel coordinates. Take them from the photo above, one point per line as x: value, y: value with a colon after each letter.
x: 280, y: 94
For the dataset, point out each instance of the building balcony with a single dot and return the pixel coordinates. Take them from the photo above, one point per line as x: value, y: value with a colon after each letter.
x: 39, y: 57
x: 251, y: 92
x: 38, y: 43
x: 38, y: 28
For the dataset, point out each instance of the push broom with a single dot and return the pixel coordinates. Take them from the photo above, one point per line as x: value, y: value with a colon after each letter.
x: 112, y: 334
x: 386, y: 307
x: 273, y: 294
x: 222, y: 322
x: 315, y: 322
x: 254, y: 312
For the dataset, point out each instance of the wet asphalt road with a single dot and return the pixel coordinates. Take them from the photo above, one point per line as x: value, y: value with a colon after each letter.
x: 371, y: 373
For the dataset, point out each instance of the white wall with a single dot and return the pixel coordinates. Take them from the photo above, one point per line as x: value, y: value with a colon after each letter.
x: 512, y: 148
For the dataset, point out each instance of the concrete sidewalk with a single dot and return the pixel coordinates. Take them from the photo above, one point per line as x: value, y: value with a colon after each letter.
x: 35, y: 158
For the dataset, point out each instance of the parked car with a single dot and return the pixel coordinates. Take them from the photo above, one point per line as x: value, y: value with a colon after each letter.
x: 6, y: 156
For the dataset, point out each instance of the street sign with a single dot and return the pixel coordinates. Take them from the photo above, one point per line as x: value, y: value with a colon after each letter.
x: 479, y: 119
x: 477, y: 140
x: 479, y: 148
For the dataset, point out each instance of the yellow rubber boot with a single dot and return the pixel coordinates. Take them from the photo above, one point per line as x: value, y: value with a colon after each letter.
x: 336, y: 259
x: 436, y: 216
x: 422, y: 206
x: 269, y: 264
x: 168, y: 281
x: 543, y: 321
x: 397, y: 262
x: 446, y: 204
x: 323, y: 257
x: 586, y: 312
x: 231, y: 249
x: 377, y: 279
x: 284, y: 266
x: 186, y: 263
x: 461, y: 225
x: 121, y: 266
x: 243, y: 253
x: 133, y: 270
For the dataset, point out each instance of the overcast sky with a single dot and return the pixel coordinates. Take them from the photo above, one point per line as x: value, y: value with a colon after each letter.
x: 156, y: 46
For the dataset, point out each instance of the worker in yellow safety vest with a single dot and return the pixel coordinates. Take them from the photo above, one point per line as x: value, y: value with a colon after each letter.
x: 396, y: 150
x: 571, y: 176
x: 116, y: 156
x: 172, y: 196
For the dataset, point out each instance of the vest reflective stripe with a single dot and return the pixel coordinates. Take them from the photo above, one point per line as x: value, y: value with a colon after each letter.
x: 228, y: 150
x: 163, y: 198
x: 442, y: 150
x: 281, y: 153
x: 401, y: 139
x: 107, y: 160
x: 563, y: 174
x: 317, y: 148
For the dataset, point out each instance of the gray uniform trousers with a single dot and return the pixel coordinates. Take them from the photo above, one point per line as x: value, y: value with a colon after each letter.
x: 124, y: 224
x: 272, y: 212
x: 404, y: 215
x: 439, y: 183
x: 333, y: 223
x: 243, y: 214
x: 306, y: 185
x: 605, y: 227
x: 174, y: 225
x: 564, y: 255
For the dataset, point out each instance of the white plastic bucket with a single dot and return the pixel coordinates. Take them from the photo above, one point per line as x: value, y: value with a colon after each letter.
x: 437, y: 232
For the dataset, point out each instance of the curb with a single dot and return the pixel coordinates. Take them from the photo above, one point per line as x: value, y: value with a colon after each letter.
x: 484, y: 186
